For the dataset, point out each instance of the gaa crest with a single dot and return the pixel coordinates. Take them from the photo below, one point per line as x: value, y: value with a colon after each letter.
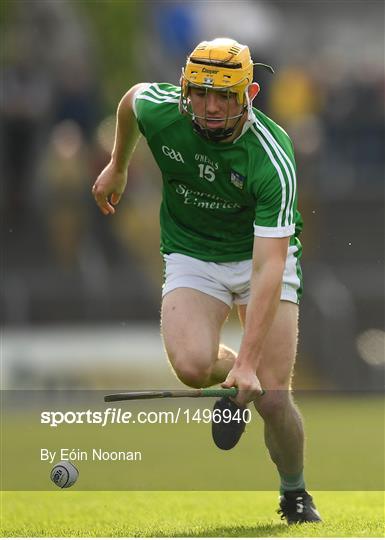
x: 237, y: 179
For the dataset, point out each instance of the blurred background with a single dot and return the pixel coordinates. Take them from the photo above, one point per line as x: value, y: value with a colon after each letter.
x: 80, y: 293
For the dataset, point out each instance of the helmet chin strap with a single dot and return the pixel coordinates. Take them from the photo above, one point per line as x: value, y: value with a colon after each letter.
x: 249, y: 105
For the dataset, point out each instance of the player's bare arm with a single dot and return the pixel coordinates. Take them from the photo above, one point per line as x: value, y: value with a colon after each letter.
x: 111, y: 182
x: 269, y: 256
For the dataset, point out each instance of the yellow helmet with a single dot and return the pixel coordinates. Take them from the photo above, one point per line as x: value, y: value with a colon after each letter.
x: 222, y: 65
x: 219, y: 64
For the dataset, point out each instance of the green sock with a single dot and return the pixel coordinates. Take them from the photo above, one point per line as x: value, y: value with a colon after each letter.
x: 292, y: 482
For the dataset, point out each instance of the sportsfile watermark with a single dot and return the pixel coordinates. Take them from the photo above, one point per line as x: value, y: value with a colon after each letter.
x: 113, y: 415
x: 167, y: 444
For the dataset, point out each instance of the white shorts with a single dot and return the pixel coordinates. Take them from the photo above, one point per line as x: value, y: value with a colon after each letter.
x: 229, y: 282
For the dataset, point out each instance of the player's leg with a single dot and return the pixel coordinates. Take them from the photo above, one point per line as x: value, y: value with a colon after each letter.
x: 191, y: 322
x: 283, y: 426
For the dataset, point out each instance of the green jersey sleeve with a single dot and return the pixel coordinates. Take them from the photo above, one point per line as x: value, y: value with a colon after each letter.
x: 275, y: 191
x: 152, y: 106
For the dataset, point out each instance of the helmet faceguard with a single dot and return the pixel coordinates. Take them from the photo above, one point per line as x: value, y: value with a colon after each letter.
x: 221, y: 65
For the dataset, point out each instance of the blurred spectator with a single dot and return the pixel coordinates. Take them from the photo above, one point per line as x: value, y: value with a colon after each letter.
x: 353, y: 120
x: 64, y: 192
x: 76, y: 97
x: 24, y: 104
x: 170, y: 32
x: 293, y: 95
x: 47, y: 76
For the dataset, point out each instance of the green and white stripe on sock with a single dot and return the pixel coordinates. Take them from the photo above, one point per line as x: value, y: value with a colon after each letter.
x: 292, y: 482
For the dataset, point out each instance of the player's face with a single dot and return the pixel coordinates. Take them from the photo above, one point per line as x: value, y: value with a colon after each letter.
x: 214, y: 109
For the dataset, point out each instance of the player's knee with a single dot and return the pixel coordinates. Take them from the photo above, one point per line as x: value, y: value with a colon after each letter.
x: 273, y: 405
x: 193, y: 376
x: 191, y: 370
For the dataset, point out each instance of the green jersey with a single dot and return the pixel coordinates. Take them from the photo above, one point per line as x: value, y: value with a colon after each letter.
x: 217, y: 196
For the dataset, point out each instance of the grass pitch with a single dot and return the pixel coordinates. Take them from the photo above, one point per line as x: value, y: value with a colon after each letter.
x: 181, y: 514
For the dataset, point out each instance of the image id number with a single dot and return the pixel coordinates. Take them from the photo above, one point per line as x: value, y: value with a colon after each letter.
x: 226, y: 416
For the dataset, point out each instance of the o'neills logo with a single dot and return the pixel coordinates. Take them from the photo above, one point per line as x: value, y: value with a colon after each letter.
x: 205, y: 70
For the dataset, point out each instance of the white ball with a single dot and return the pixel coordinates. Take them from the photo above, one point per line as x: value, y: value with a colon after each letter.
x: 64, y: 474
